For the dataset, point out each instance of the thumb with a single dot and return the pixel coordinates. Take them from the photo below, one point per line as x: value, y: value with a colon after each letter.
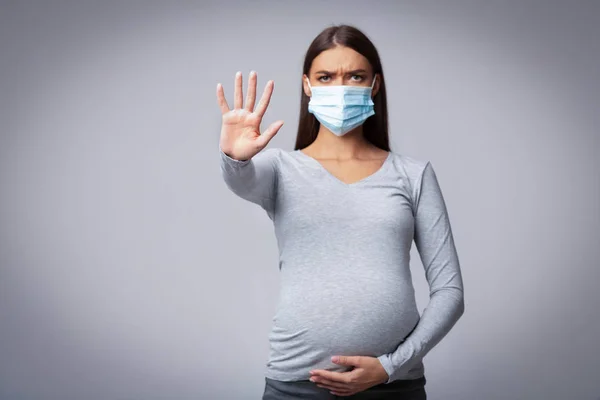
x: 271, y: 131
x: 347, y: 360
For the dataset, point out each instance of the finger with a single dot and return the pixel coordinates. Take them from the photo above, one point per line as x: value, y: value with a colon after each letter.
x: 238, y: 95
x: 336, y: 390
x: 271, y: 131
x: 265, y: 99
x: 355, y: 361
x: 251, y: 96
x: 221, y: 101
x: 342, y: 377
x: 332, y: 384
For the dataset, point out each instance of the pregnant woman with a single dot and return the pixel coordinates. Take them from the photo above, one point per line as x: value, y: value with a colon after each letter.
x: 345, y: 210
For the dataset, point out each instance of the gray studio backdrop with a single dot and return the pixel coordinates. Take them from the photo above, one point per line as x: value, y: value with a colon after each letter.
x: 130, y: 272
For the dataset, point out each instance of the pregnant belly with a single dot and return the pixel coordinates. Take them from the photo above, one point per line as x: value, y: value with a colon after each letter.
x: 370, y: 319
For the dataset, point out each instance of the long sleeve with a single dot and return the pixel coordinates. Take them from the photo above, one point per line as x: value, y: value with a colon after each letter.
x: 435, y: 243
x: 254, y: 179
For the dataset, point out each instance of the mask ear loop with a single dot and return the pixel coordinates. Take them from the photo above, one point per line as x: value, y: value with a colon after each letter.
x: 310, y: 87
x: 373, y: 85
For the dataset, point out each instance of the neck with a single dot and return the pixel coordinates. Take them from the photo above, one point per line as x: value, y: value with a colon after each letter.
x: 329, y: 145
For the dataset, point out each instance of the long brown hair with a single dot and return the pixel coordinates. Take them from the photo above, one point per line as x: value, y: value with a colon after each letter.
x: 375, y: 128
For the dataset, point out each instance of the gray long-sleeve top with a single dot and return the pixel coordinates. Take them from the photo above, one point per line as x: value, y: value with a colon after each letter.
x: 344, y: 253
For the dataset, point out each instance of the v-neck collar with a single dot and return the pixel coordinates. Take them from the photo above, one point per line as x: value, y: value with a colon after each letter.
x: 320, y: 166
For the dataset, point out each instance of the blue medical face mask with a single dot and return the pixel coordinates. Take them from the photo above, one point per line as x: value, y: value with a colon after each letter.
x: 341, y: 108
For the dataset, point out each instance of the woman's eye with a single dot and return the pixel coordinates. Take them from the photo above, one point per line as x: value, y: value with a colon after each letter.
x: 321, y: 78
x: 359, y: 78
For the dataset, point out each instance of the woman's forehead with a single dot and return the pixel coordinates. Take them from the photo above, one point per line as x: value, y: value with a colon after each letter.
x: 339, y: 60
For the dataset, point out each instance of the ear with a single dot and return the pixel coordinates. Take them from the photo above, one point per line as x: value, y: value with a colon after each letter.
x: 305, y: 85
x: 376, y: 86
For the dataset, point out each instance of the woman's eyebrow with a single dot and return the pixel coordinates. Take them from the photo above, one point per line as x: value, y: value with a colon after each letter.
x: 333, y: 73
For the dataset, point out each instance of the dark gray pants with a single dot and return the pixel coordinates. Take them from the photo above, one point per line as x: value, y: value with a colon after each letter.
x: 413, y: 389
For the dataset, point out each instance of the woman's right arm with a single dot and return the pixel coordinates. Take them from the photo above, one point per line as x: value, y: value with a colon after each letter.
x: 254, y: 179
x: 248, y: 171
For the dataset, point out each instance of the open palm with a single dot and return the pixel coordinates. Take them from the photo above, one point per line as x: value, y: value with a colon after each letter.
x: 240, y: 130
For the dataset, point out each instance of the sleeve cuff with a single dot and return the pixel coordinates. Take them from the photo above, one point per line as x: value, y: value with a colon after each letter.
x: 387, y: 365
x: 232, y: 161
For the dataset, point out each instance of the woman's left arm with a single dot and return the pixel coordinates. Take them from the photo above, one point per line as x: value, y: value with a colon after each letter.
x: 435, y: 243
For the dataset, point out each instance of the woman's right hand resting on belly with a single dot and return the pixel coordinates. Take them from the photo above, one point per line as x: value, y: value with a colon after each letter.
x: 240, y: 131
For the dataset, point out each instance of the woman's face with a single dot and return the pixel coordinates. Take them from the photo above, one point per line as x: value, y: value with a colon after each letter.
x: 340, y: 66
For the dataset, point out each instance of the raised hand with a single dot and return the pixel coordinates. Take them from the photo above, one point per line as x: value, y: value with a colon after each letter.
x: 240, y: 130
